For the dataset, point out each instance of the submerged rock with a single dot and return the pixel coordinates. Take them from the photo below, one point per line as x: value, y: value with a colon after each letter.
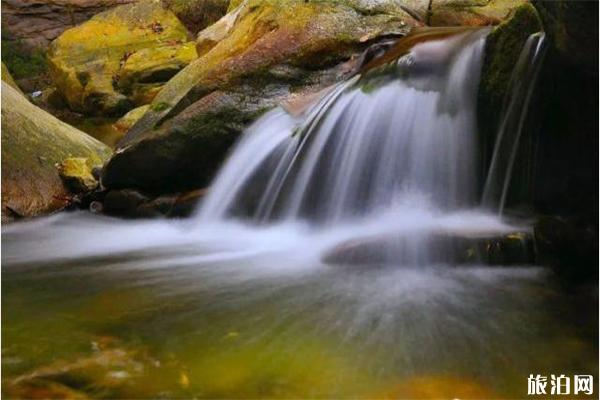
x: 119, y: 58
x: 497, y: 250
x: 33, y: 141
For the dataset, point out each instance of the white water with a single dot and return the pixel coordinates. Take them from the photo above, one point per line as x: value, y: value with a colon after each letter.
x: 398, y: 161
x: 361, y: 152
x: 510, y: 131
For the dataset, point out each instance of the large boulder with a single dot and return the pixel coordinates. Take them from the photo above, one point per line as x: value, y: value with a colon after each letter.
x: 260, y: 34
x: 185, y: 153
x: 35, y: 23
x: 119, y: 58
x: 502, y: 50
x: 33, y: 143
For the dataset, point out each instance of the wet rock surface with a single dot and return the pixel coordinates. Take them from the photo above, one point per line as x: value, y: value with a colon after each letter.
x: 496, y: 250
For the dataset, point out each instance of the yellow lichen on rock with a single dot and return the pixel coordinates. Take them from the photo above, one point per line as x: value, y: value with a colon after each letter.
x: 87, y: 62
x: 259, y: 34
x: 76, y: 173
x: 33, y: 142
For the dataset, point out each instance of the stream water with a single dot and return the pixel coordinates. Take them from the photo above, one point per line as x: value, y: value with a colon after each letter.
x: 238, y: 302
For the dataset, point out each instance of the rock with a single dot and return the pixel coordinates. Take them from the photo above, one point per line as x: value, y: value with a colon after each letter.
x: 186, y: 203
x: 569, y: 245
x: 502, y: 50
x: 496, y: 250
x: 33, y: 141
x: 7, y: 77
x: 572, y: 28
x: 197, y: 14
x: 35, y: 23
x: 471, y: 12
x: 43, y: 389
x: 185, y: 153
x: 262, y: 34
x: 76, y: 173
x: 123, y: 203
x: 119, y: 58
x: 132, y: 204
x: 127, y: 120
x: 108, y: 368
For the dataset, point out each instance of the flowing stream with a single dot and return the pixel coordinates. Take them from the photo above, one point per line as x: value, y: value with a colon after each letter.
x: 240, y: 301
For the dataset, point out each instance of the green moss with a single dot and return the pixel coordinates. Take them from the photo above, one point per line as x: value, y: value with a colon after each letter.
x: 160, y: 106
x: 22, y: 61
x: 503, y: 47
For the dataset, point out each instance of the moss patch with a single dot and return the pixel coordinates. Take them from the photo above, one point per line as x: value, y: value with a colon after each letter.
x: 22, y: 61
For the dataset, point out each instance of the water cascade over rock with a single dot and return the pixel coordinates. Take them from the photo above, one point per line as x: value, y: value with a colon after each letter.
x: 392, y: 153
x: 404, y: 130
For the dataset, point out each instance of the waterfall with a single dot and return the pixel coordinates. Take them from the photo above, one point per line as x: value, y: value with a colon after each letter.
x: 510, y: 130
x: 403, y: 132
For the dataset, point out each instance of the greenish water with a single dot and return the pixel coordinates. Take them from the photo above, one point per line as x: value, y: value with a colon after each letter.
x: 196, y: 320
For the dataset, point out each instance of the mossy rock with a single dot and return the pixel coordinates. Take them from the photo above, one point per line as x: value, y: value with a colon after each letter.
x: 502, y: 50
x: 185, y: 153
x: 33, y: 142
x: 7, y: 77
x: 118, y: 58
x: 127, y: 120
x: 76, y: 173
x: 261, y: 34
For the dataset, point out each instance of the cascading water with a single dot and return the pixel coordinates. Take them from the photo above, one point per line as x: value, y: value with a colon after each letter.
x: 514, y: 114
x: 238, y: 303
x: 365, y: 147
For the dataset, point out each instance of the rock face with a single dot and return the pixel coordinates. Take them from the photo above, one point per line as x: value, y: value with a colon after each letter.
x: 37, y: 22
x: 572, y: 27
x: 33, y: 142
x: 119, y: 58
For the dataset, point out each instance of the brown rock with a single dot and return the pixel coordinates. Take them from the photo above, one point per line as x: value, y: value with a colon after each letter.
x: 38, y: 22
